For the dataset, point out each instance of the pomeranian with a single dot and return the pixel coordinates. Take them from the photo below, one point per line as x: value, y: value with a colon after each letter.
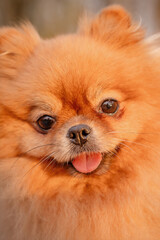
x: 80, y: 132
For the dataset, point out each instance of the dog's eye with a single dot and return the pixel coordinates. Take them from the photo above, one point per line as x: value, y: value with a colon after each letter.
x: 46, y: 122
x: 109, y: 106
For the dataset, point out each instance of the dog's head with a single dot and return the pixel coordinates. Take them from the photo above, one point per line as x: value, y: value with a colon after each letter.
x: 76, y: 101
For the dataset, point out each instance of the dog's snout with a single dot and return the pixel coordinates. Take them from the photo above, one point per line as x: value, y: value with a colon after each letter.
x: 79, y: 134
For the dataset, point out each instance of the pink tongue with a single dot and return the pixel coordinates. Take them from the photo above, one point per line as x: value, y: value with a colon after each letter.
x: 86, y: 163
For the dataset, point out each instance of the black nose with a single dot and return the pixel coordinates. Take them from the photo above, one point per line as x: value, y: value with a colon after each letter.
x: 79, y: 134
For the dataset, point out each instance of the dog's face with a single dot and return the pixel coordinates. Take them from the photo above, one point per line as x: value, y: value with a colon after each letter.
x: 74, y: 101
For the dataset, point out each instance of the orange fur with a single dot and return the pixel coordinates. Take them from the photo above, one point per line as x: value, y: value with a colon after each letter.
x: 69, y: 77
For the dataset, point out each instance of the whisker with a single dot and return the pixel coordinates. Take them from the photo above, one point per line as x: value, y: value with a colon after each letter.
x: 23, y: 154
x: 127, y: 146
x: 36, y: 165
x: 62, y: 163
x: 53, y: 160
x: 140, y: 144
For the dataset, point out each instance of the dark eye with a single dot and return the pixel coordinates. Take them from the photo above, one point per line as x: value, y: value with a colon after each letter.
x: 46, y: 122
x: 109, y: 106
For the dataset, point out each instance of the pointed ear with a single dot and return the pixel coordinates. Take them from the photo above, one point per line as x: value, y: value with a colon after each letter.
x: 16, y: 45
x: 113, y: 25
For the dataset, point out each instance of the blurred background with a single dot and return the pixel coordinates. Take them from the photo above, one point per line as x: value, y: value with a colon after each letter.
x: 52, y: 17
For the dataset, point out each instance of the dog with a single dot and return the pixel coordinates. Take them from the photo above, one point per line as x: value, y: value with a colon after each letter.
x: 80, y: 132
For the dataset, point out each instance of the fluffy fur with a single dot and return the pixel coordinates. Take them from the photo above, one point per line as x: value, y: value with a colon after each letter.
x: 69, y: 77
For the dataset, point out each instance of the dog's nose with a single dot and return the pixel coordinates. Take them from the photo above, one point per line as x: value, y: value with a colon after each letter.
x: 79, y: 134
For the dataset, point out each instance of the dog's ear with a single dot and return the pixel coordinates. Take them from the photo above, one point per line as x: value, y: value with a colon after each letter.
x: 113, y: 25
x: 16, y: 44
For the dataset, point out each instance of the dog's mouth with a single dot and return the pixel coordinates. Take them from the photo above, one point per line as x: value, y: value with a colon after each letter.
x: 92, y: 163
x: 87, y: 162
